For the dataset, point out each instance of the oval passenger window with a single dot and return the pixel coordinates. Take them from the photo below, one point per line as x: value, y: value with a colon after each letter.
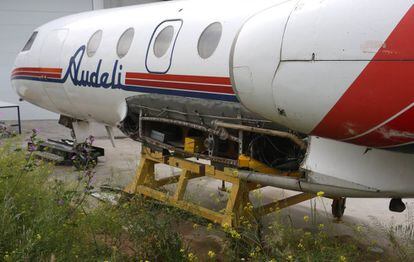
x: 163, y: 41
x: 209, y: 40
x: 124, y: 42
x: 93, y: 43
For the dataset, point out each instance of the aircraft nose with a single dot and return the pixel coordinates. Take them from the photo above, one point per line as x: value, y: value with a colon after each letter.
x: 26, y: 76
x: 22, y: 88
x: 22, y: 70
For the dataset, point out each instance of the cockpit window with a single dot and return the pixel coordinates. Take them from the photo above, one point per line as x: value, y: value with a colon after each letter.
x: 29, y: 43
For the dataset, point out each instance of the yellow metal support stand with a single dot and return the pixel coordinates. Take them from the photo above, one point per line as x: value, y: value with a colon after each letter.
x: 146, y: 184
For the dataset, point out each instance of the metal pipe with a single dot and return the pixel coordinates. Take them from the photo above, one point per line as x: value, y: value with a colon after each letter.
x: 302, y: 185
x: 225, y: 161
x: 190, y: 125
x: 251, y: 120
x: 269, y: 132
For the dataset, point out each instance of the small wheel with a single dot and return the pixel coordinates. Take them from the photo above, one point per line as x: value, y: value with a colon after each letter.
x: 338, y: 207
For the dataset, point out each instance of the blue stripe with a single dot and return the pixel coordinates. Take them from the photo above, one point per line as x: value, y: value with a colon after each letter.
x: 229, y: 98
x: 150, y: 90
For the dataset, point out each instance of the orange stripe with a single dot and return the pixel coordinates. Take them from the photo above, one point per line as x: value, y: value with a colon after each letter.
x: 181, y: 78
x: 37, y: 74
x: 38, y: 69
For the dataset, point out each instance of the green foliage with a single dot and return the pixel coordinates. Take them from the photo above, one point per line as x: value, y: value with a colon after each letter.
x: 138, y: 229
x: 42, y: 219
x: 284, y: 242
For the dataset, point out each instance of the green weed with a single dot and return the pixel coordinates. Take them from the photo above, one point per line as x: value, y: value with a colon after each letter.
x: 42, y: 219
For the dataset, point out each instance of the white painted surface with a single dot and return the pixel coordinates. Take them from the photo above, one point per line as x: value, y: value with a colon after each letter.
x: 338, y: 30
x: 389, y: 173
x: 107, y: 105
x: 5, y: 104
x: 256, y: 57
x: 300, y: 85
x: 304, y: 90
x: 18, y: 19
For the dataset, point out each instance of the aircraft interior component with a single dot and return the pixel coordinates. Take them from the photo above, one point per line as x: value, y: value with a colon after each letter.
x: 269, y: 132
x: 220, y: 132
x: 243, y: 133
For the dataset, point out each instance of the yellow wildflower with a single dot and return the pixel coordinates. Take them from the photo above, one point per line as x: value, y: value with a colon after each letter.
x: 191, y: 257
x: 211, y: 254
x: 306, y: 218
x: 209, y: 226
x: 321, y: 226
x: 234, y: 234
x: 320, y: 194
x: 342, y: 259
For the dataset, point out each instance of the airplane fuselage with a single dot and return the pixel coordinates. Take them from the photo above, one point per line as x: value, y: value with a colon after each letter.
x: 333, y: 69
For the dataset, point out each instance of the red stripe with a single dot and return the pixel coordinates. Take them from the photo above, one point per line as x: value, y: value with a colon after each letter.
x: 182, y: 86
x: 181, y: 78
x: 382, y: 90
x: 398, y: 131
x: 48, y: 75
x: 38, y: 69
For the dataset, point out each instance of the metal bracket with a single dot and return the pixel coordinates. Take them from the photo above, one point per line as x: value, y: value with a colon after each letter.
x: 146, y: 184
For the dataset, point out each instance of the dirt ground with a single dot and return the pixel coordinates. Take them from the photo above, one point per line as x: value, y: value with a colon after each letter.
x: 117, y: 168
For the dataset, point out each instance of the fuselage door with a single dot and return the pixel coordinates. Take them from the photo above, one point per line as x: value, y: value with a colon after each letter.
x: 50, y: 59
x: 161, y: 47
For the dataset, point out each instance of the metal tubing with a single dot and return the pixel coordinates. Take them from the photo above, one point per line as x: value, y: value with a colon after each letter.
x: 297, y: 184
x: 269, y: 132
x: 188, y: 124
x: 154, y: 142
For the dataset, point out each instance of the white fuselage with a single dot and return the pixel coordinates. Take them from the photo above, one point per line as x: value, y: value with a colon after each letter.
x: 298, y: 63
x: 335, y: 69
x: 58, y: 41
